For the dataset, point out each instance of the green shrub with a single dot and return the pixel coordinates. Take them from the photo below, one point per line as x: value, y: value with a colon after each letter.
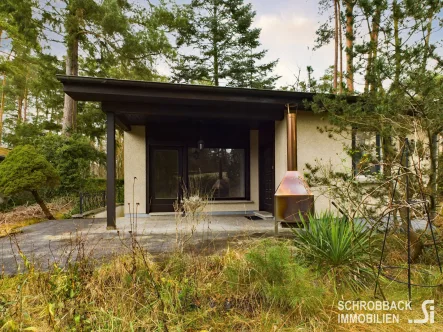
x: 269, y: 261
x: 337, y: 248
x: 24, y: 169
x: 271, y: 271
x: 72, y: 157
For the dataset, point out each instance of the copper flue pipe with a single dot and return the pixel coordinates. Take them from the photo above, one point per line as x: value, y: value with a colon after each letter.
x: 292, y: 141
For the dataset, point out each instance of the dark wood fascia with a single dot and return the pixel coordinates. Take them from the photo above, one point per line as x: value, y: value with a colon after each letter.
x: 254, y: 112
x: 102, y: 89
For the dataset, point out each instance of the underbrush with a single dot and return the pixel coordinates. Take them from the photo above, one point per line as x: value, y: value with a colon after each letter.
x: 263, y: 287
x: 25, y: 215
x: 255, y: 289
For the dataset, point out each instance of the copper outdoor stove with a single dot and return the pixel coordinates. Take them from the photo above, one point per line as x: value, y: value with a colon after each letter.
x: 293, y: 196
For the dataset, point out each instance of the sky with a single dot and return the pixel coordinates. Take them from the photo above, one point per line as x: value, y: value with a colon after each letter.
x: 288, y: 33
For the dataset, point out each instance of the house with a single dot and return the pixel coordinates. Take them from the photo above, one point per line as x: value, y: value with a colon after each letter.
x: 227, y: 143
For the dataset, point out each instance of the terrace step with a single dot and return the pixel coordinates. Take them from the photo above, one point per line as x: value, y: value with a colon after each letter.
x: 265, y: 215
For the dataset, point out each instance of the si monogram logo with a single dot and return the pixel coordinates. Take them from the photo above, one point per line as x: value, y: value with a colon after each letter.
x: 429, y: 315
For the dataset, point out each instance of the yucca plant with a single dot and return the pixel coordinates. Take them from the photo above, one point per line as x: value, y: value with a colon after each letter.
x: 337, y: 248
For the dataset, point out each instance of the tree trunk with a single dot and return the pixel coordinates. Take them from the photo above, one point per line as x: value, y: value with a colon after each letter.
x: 70, y: 105
x: 396, y: 17
x: 25, y: 103
x: 37, y: 111
x: 336, y: 16
x: 2, y: 105
x: 19, y: 109
x: 370, y: 81
x: 2, y: 100
x: 42, y: 204
x: 350, y: 44
x: 389, y: 154
x: 432, y: 186
x: 120, y: 155
x: 416, y: 242
x: 427, y: 40
x: 374, y: 41
x: 215, y: 46
x: 341, y: 49
x: 417, y: 245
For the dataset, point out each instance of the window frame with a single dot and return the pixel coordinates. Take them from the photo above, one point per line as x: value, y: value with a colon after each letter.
x: 355, y: 161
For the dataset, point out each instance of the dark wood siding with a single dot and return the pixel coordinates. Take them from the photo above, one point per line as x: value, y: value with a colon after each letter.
x: 267, y: 166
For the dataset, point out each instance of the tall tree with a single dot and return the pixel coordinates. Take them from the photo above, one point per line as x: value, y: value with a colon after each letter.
x: 372, y: 11
x: 113, y: 33
x: 222, y: 47
x: 332, y: 30
x: 80, y: 21
x: 336, y: 41
x: 349, y: 13
x: 19, y: 34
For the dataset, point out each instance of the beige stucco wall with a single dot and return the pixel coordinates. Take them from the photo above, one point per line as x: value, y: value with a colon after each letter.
x: 312, y: 147
x: 135, y: 166
x: 281, y: 145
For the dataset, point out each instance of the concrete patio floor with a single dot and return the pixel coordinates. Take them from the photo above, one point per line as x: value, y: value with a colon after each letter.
x: 60, y: 241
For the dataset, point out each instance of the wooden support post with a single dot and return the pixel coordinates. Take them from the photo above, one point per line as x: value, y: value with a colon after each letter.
x: 110, y: 171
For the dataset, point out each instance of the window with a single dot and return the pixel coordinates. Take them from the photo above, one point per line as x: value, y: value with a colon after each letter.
x: 217, y: 173
x: 366, y: 153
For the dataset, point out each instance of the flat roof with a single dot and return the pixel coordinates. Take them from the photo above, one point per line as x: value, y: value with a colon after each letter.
x: 142, y: 102
x: 83, y: 88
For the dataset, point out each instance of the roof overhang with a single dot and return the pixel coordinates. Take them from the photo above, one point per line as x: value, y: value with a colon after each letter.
x: 135, y: 101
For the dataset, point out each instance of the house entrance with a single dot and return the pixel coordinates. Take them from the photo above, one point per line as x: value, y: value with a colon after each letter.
x: 166, y: 177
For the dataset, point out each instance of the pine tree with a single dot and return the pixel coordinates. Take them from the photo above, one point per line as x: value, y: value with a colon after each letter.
x: 24, y: 169
x: 225, y: 46
x: 121, y: 38
x: 394, y: 45
x: 19, y: 34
